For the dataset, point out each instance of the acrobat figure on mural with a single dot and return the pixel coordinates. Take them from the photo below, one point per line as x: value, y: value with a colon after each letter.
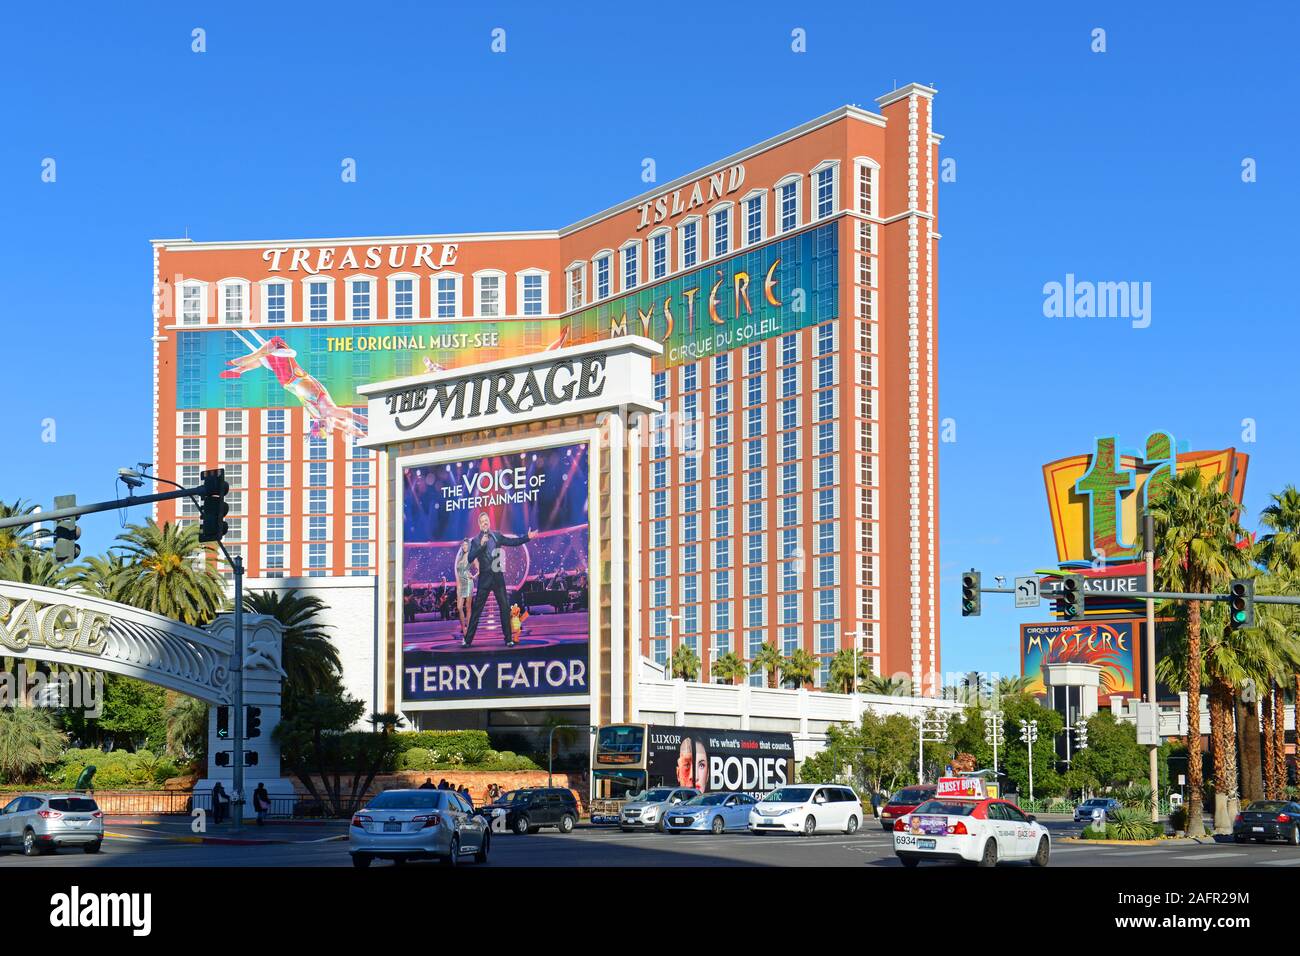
x: 276, y: 355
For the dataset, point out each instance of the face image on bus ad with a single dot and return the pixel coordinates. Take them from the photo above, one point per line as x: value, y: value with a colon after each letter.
x: 631, y: 758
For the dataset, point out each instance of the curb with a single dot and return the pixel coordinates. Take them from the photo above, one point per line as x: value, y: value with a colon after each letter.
x: 1167, y: 842
x: 219, y: 841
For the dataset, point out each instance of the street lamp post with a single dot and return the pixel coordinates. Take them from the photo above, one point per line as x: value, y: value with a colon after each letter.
x: 1029, y: 734
x: 857, y: 640
x: 994, y: 735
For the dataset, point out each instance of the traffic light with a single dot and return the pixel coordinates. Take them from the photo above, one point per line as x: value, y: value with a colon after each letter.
x: 253, y: 725
x: 250, y: 758
x: 66, y: 531
x: 223, y: 723
x: 970, y: 594
x: 1241, y: 603
x: 1072, y: 597
x: 213, y: 507
x: 222, y: 758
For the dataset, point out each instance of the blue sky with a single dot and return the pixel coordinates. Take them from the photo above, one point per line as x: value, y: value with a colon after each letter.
x: 1116, y: 166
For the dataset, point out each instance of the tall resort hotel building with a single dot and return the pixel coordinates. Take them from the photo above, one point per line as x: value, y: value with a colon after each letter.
x: 789, y: 489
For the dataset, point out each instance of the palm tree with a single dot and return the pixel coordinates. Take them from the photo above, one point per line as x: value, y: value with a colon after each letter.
x: 1195, y: 530
x: 888, y: 686
x: 1012, y: 687
x: 1280, y: 552
x: 309, y: 658
x: 32, y: 566
x: 730, y: 668
x: 163, y: 575
x: 29, y: 742
x: 769, y: 660
x: 685, y: 663
x: 799, y: 668
x: 187, y: 727
x: 104, y: 576
x: 843, y: 679
x: 12, y: 539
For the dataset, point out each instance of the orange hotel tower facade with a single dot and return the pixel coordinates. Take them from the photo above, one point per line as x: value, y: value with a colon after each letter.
x: 790, y: 489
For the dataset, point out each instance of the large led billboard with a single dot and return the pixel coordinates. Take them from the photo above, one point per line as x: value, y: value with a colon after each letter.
x: 495, y: 585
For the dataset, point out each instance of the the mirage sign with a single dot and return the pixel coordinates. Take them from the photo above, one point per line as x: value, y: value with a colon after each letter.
x: 570, y: 381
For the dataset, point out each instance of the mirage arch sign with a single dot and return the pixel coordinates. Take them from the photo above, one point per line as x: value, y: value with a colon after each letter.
x: 75, y: 629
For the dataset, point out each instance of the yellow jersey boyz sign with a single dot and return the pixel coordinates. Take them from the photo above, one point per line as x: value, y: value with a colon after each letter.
x: 59, y: 627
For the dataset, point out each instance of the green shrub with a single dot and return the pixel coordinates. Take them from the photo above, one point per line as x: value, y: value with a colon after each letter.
x: 1178, y: 819
x: 427, y: 759
x: 452, y: 746
x: 1130, y: 823
x: 115, y: 770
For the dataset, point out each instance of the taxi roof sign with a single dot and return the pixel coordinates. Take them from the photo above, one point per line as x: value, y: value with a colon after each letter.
x: 960, y: 787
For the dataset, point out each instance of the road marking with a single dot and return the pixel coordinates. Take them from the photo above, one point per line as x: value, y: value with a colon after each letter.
x: 1294, y: 862
x: 1140, y: 853
x: 1207, y: 856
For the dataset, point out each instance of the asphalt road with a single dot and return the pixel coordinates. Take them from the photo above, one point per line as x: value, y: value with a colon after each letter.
x: 602, y: 847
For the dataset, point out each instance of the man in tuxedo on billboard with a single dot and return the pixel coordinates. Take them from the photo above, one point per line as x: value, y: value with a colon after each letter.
x: 485, y: 548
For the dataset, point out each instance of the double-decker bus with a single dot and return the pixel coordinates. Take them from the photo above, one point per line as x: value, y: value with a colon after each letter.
x: 631, y: 758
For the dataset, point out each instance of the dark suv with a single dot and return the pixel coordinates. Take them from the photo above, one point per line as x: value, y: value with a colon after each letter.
x: 527, y: 811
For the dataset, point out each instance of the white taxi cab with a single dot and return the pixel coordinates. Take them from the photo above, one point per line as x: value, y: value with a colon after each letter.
x: 970, y: 829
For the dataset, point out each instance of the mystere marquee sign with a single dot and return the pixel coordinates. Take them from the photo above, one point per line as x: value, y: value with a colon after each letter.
x: 583, y: 378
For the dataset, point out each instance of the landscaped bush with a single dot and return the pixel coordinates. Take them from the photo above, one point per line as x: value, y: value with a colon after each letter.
x: 420, y: 758
x: 115, y: 769
x: 456, y: 747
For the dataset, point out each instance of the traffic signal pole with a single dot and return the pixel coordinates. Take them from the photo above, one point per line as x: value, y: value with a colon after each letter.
x: 237, y: 668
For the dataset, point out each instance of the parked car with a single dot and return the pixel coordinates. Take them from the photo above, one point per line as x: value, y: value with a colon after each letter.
x: 647, y: 812
x: 903, y: 803
x: 527, y: 811
x: 1268, y: 820
x: 807, y: 809
x: 401, y: 825
x: 43, y: 822
x: 711, y: 812
x: 985, y: 832
x: 1107, y: 805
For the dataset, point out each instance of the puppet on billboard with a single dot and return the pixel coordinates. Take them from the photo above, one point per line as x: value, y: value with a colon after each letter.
x: 282, y: 361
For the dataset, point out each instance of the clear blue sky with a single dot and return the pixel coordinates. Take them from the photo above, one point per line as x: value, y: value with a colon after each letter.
x: 1124, y: 165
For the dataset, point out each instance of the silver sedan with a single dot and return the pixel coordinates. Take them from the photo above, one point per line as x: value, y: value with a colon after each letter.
x: 401, y: 825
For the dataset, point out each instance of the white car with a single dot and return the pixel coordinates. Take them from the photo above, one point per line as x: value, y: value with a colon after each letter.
x: 986, y: 832
x: 807, y: 809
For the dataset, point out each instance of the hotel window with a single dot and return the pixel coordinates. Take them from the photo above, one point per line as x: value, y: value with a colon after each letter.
x: 447, y: 295
x: 721, y: 461
x: 826, y: 504
x: 721, y: 617
x: 866, y: 185
x: 659, y: 474
x: 661, y: 386
x: 824, y: 186
x: 191, y: 423
x: 191, y: 449
x: 402, y: 298
x: 274, y: 502
x: 360, y: 527
x: 276, y: 475
x: 788, y: 200
x: 825, y: 339
x: 193, y: 302
x: 274, y: 529
x: 789, y: 381
x: 826, y: 438
x: 690, y: 528
x: 789, y: 511
x: 602, y: 276
x: 234, y: 301
x: 789, y: 349
x: 789, y: 446
x: 318, y: 300
x: 690, y: 243
x: 754, y: 359
x: 789, y: 479
x: 232, y: 449
x: 721, y: 493
x: 659, y: 504
x: 275, y: 302
x: 721, y: 400
x: 317, y: 501
x: 576, y: 278
x: 489, y: 294
x: 315, y: 560
x: 360, y: 557
x: 721, y: 367
x: 826, y: 572
x: 631, y: 266
x: 361, y: 473
x: 275, y: 560
x: 531, y: 294
x: 659, y: 255
x: 754, y: 391
x: 275, y: 421
x: 316, y: 527
x: 722, y: 584
x: 826, y: 371
x: 659, y: 564
x: 316, y: 473
x: 754, y: 220
x: 361, y: 293
x: 360, y: 499
x: 721, y: 232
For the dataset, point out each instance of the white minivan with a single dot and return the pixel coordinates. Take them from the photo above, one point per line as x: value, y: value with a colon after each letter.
x: 806, y: 809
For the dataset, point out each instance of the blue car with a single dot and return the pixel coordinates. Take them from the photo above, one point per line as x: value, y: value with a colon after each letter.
x: 714, y: 812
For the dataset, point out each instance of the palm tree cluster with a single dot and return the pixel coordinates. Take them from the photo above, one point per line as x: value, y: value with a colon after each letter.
x: 1244, y: 672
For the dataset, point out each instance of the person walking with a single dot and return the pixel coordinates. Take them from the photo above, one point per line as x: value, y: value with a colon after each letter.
x: 428, y: 784
x: 486, y: 550
x: 261, y: 803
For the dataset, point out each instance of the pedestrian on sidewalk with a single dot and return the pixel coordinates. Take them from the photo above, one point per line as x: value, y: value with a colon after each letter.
x: 220, y: 801
x: 428, y: 784
x: 261, y: 803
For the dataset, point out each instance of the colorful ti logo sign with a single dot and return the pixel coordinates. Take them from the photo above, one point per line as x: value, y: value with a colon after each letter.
x: 1096, y: 501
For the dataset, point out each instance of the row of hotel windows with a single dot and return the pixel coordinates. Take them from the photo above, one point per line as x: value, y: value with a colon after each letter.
x: 694, y: 248
x: 827, y: 642
x: 532, y: 285
x: 234, y: 298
